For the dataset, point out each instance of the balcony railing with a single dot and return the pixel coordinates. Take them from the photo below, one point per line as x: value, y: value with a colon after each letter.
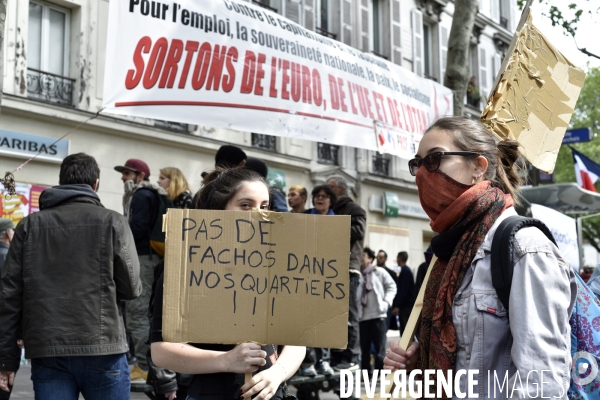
x: 172, y: 126
x: 328, y: 34
x: 381, y: 165
x: 431, y: 77
x: 265, y: 142
x: 260, y: 4
x: 328, y: 154
x: 49, y: 87
x: 379, y: 55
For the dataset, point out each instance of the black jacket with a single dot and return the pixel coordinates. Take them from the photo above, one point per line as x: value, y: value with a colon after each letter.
x: 358, y: 223
x: 405, y: 297
x: 142, y: 217
x: 3, y: 252
x: 67, y: 267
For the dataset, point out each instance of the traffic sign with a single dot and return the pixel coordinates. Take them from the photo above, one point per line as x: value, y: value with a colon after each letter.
x: 577, y: 135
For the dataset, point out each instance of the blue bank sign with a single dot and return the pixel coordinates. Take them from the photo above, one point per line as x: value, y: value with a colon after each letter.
x: 577, y: 135
x: 23, y: 145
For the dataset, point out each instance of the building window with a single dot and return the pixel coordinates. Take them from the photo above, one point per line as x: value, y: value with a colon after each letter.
x: 325, y: 16
x: 265, y: 142
x: 325, y: 27
x: 505, y: 12
x: 48, y: 54
x: 171, y: 126
x: 264, y: 4
x: 377, y: 27
x: 328, y: 154
x: 381, y: 165
x: 427, y: 51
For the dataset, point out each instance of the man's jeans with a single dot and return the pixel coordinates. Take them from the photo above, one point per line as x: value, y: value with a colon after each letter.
x: 137, y: 310
x: 96, y: 377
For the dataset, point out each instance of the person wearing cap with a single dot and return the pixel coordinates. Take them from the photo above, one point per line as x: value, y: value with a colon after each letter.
x: 7, y: 230
x: 67, y: 267
x: 229, y: 156
x: 141, y: 208
x: 278, y: 202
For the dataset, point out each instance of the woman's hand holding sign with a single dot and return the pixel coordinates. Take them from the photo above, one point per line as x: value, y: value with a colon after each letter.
x: 265, y: 383
x: 398, y: 358
x: 245, y: 357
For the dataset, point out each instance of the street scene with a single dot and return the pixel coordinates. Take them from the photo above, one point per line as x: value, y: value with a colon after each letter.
x: 299, y: 199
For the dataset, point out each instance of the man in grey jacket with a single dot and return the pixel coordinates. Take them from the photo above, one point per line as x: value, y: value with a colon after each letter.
x: 67, y: 267
x: 375, y: 296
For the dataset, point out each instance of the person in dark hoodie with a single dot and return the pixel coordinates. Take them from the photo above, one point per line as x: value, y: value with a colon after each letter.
x: 348, y: 358
x: 67, y: 268
x: 141, y: 207
x: 278, y: 202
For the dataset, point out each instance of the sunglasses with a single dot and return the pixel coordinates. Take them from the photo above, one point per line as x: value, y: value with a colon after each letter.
x: 432, y: 161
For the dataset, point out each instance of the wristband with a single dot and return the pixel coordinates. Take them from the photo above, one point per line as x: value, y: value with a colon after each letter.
x: 284, y: 371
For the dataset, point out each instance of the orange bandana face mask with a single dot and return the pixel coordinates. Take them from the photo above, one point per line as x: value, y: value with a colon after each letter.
x: 437, y: 191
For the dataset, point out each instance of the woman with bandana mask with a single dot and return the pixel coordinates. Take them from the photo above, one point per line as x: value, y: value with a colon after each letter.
x: 467, y: 185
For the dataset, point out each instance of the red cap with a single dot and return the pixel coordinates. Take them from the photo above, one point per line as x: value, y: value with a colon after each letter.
x: 135, y: 165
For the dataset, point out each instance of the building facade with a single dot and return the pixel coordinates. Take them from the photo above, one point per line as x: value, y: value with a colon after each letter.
x: 54, y: 55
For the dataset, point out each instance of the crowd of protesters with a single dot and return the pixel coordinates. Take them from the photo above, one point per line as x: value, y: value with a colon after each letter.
x: 74, y: 249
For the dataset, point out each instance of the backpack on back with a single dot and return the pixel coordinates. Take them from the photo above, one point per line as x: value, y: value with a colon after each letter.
x: 584, y: 321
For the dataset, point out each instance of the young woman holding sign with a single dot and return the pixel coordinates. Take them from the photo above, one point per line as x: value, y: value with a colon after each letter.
x: 467, y: 184
x: 219, y: 369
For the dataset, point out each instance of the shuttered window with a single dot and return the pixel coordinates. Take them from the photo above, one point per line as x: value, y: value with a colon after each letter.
x: 495, y: 10
x: 302, y: 12
x: 443, y: 32
x: 310, y: 14
x: 483, y: 73
x: 365, y: 22
x: 293, y: 10
x: 506, y: 18
x: 346, y: 22
x: 418, y: 50
x: 396, y: 30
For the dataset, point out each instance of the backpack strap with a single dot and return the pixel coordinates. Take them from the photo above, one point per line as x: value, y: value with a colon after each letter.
x: 502, y: 252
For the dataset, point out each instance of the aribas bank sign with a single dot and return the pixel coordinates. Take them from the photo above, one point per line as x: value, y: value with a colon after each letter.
x: 23, y: 145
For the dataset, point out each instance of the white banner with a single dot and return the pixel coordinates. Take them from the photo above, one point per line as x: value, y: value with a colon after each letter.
x: 563, y: 229
x: 232, y: 64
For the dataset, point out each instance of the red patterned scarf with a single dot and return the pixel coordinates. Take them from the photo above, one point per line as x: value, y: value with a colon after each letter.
x: 472, y: 214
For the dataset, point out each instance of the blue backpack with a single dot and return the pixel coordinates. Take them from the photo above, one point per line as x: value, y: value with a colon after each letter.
x: 585, y: 319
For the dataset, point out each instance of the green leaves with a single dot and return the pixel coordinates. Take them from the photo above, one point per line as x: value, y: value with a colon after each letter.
x: 587, y: 114
x: 556, y: 16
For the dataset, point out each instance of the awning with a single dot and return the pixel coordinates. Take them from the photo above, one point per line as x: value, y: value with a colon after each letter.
x: 563, y: 197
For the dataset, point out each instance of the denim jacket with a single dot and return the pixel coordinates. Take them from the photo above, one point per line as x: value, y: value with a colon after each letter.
x: 528, y: 348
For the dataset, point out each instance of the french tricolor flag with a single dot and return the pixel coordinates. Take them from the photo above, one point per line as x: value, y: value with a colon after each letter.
x: 586, y: 171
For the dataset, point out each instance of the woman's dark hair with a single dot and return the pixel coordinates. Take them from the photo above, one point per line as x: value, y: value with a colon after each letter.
x: 79, y: 168
x: 369, y: 252
x: 470, y: 135
x: 220, y: 185
x: 327, y: 189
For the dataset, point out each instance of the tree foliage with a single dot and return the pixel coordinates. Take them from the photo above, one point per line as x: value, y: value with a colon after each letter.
x: 587, y: 114
x: 568, y: 20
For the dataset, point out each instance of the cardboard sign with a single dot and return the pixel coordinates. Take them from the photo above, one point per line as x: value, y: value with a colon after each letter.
x: 534, y: 96
x: 276, y: 278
